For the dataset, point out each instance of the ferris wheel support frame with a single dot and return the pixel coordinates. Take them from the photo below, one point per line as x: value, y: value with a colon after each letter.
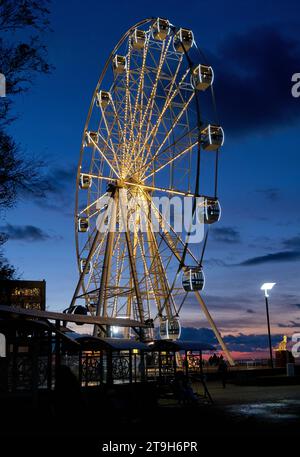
x: 89, y: 257
x: 132, y: 264
x: 214, y: 328
x: 106, y: 264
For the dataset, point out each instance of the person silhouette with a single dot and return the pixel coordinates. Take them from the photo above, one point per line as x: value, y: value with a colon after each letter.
x: 222, y: 370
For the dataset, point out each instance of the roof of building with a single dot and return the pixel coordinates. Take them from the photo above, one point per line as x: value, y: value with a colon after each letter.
x: 180, y: 345
x: 89, y: 342
x: 65, y: 317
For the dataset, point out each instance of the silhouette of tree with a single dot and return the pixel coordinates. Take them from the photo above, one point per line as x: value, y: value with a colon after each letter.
x: 22, y: 56
x: 7, y: 271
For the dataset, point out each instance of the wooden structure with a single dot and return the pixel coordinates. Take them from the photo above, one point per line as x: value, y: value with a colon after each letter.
x: 37, y: 348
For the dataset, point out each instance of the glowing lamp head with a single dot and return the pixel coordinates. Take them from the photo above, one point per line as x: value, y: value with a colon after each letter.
x: 267, y: 286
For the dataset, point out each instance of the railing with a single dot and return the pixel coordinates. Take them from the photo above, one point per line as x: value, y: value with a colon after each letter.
x: 26, y: 373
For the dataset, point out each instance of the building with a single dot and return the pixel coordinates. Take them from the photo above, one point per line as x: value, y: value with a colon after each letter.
x: 23, y: 294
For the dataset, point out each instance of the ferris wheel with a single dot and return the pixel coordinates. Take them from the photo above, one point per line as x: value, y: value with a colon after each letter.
x: 151, y: 131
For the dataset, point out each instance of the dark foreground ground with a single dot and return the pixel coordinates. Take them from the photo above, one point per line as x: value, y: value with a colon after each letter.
x: 241, y: 415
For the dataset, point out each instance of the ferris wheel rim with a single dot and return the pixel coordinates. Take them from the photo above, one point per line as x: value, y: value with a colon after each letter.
x: 109, y: 60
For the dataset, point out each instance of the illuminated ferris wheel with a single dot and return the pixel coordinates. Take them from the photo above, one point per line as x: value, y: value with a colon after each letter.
x: 151, y: 131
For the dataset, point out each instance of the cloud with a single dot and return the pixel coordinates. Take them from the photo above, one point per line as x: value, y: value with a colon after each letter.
x: 241, y: 342
x: 247, y: 343
x: 61, y: 177
x: 291, y: 254
x: 212, y: 262
x: 257, y: 76
x: 59, y: 194
x: 282, y: 256
x: 203, y: 334
x: 291, y: 324
x: 226, y: 235
x: 271, y: 194
x: 261, y: 242
x: 217, y: 302
x: 25, y: 233
x: 292, y: 243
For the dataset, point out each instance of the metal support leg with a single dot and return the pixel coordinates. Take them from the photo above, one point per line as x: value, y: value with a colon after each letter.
x: 214, y: 327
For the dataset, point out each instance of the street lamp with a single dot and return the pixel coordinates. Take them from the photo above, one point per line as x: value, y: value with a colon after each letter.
x: 266, y: 287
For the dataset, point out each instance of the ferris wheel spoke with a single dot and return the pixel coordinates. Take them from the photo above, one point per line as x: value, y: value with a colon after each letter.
x: 133, y: 120
x: 177, y: 119
x: 172, y: 159
x: 165, y: 190
x: 150, y: 103
x: 109, y: 142
x: 191, y: 134
x: 103, y: 155
x: 95, y: 202
x: 134, y: 185
x: 120, y: 128
x: 167, y: 229
x: 170, y: 96
x: 127, y: 101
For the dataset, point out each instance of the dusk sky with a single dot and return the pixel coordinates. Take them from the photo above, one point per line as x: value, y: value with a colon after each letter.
x: 254, y: 48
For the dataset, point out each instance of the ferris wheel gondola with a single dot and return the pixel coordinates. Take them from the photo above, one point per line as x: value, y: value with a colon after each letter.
x: 85, y: 181
x: 119, y: 64
x: 160, y: 29
x: 193, y: 278
x: 202, y: 77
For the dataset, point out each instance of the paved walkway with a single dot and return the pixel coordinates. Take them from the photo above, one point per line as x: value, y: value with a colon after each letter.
x: 235, y: 394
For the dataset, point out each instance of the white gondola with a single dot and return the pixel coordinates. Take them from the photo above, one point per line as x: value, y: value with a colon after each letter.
x: 79, y: 309
x: 119, y: 64
x: 160, y: 29
x: 82, y: 266
x: 85, y: 181
x: 91, y: 138
x: 202, y: 77
x: 193, y: 279
x: 174, y: 328
x: 163, y: 329
x: 83, y: 224
x: 103, y: 99
x: 212, y: 210
x: 212, y: 137
x: 138, y: 39
x: 183, y: 40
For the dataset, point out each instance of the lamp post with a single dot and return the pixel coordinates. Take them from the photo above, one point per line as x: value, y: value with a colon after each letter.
x: 266, y: 287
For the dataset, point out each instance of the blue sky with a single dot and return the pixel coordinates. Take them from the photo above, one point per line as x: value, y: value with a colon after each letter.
x: 254, y: 48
